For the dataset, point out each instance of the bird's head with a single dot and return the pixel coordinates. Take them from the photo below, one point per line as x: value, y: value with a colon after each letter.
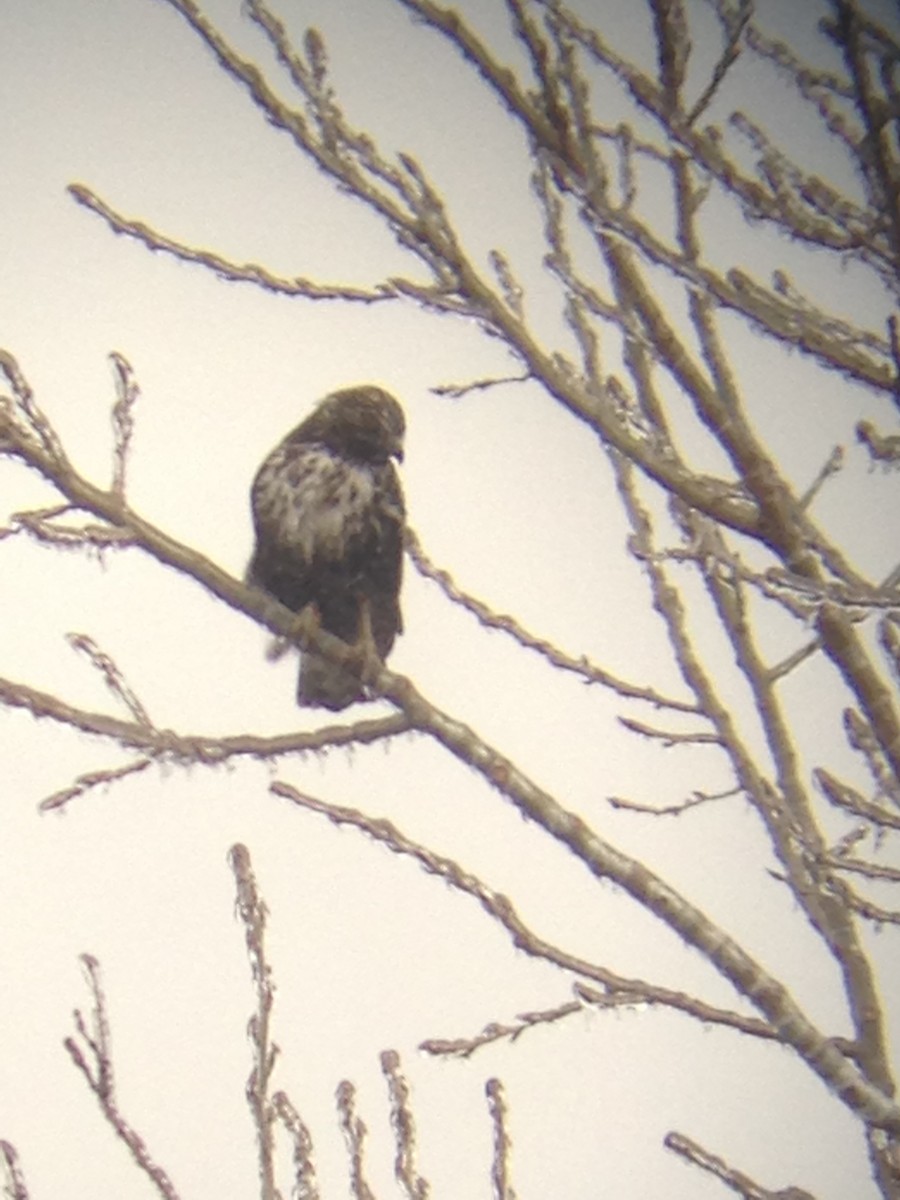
x: 364, y: 423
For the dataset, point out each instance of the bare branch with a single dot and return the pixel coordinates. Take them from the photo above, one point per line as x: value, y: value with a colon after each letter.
x: 405, y: 1172
x: 870, y: 869
x: 673, y: 810
x: 23, y: 421
x: 457, y: 390
x: 669, y: 738
x: 305, y: 1185
x: 354, y: 1131
x: 229, y: 271
x: 486, y: 616
x: 734, y: 26
x: 511, y: 1031
x: 500, y: 1165
x: 122, y: 420
x: 253, y: 913
x: 733, y: 1179
x: 167, y: 746
x: 883, y: 449
x: 831, y: 467
x: 93, y: 1059
x: 90, y: 780
x: 15, y: 1187
x: 112, y: 676
x: 842, y: 795
x: 500, y: 908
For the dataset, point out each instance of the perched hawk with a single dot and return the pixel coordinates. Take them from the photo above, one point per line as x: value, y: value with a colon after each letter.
x: 328, y: 511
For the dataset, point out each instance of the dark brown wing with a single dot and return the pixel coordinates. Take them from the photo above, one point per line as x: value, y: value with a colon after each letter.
x: 381, y: 558
x: 329, y: 532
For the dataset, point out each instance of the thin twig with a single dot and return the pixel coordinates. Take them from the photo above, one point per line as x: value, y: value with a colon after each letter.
x: 305, y: 1184
x: 590, y: 672
x: 122, y: 419
x: 354, y: 1131
x: 733, y: 1179
x: 252, y: 912
x: 405, y: 1171
x: 90, y: 1052
x: 501, y: 909
x: 15, y: 1186
x: 502, y: 1148
x: 230, y: 271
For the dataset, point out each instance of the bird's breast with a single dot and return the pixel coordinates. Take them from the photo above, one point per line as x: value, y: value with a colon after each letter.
x: 317, y: 501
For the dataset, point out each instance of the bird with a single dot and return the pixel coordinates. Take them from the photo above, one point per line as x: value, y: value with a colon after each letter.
x: 329, y: 518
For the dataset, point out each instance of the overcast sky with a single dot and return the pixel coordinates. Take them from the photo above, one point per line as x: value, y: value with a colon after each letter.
x: 507, y: 491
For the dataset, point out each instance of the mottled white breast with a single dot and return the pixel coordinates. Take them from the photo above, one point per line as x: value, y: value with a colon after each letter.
x: 316, y: 500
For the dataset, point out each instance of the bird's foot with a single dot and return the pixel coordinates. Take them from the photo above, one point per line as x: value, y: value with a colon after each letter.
x: 365, y: 657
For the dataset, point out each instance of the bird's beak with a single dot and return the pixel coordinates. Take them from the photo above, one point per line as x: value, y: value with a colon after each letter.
x: 397, y: 452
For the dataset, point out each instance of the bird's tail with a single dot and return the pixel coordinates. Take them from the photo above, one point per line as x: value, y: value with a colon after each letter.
x: 324, y: 684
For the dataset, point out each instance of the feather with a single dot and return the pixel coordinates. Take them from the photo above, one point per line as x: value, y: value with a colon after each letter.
x: 328, y: 512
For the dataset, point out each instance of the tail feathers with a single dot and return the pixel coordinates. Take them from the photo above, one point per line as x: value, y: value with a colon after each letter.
x: 323, y: 684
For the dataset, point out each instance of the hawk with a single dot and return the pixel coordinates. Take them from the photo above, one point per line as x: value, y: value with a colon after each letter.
x: 328, y: 512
